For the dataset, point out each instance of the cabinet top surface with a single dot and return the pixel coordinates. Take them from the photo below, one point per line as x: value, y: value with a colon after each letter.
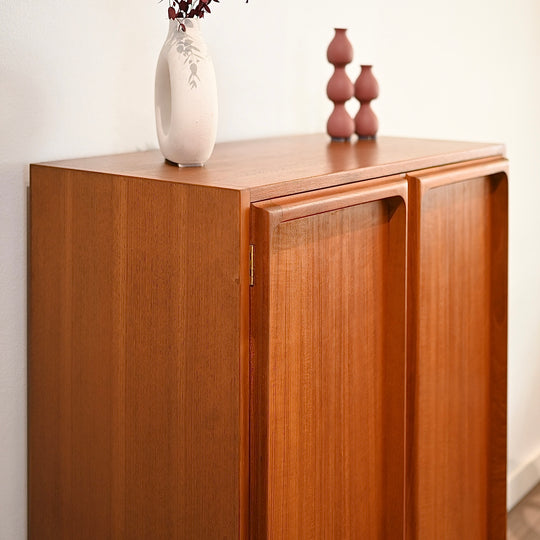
x: 274, y: 167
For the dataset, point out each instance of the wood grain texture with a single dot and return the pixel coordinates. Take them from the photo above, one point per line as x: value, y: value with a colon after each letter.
x: 168, y: 399
x: 456, y: 429
x: 328, y: 370
x: 281, y: 166
x: 137, y: 368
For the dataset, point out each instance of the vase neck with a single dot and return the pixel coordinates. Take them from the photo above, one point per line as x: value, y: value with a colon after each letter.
x: 192, y: 27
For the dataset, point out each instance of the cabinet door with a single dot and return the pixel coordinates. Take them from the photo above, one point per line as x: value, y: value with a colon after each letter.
x: 328, y: 364
x: 457, y: 352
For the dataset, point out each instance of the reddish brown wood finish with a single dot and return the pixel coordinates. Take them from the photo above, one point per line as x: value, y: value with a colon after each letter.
x: 137, y: 396
x: 158, y: 410
x: 457, y: 352
x: 328, y: 370
x: 269, y: 168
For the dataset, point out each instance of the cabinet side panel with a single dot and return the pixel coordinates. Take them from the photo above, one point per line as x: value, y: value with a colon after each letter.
x: 134, y: 359
x: 458, y: 360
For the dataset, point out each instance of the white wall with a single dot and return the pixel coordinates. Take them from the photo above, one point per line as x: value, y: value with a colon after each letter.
x: 76, y: 78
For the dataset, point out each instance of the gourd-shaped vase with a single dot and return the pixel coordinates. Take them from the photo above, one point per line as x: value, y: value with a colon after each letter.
x: 366, y: 89
x: 340, y: 89
x: 186, y: 96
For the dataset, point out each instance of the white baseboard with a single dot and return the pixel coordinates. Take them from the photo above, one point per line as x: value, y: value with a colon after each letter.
x: 522, y: 480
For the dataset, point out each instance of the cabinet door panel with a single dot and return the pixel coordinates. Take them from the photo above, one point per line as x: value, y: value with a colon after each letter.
x: 457, y: 352
x: 328, y: 369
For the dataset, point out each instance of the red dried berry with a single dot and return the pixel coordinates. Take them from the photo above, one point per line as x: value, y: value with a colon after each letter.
x: 189, y: 9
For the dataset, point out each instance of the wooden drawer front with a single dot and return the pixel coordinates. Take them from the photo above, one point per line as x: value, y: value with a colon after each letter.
x: 328, y: 373
x: 457, y: 352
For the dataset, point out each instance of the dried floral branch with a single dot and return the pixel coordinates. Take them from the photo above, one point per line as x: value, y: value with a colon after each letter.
x: 189, y: 9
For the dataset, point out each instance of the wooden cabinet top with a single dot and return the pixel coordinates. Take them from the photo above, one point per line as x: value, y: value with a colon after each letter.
x: 274, y: 167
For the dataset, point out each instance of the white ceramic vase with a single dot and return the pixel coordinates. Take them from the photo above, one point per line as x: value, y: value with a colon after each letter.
x: 186, y: 96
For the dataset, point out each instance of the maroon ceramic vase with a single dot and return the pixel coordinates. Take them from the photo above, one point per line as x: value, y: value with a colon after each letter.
x: 366, y: 89
x: 340, y: 51
x: 340, y: 89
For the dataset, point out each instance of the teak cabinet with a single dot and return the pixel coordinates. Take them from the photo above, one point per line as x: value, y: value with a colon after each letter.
x: 302, y: 340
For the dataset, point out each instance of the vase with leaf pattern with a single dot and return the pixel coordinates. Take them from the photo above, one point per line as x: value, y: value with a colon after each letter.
x: 186, y: 96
